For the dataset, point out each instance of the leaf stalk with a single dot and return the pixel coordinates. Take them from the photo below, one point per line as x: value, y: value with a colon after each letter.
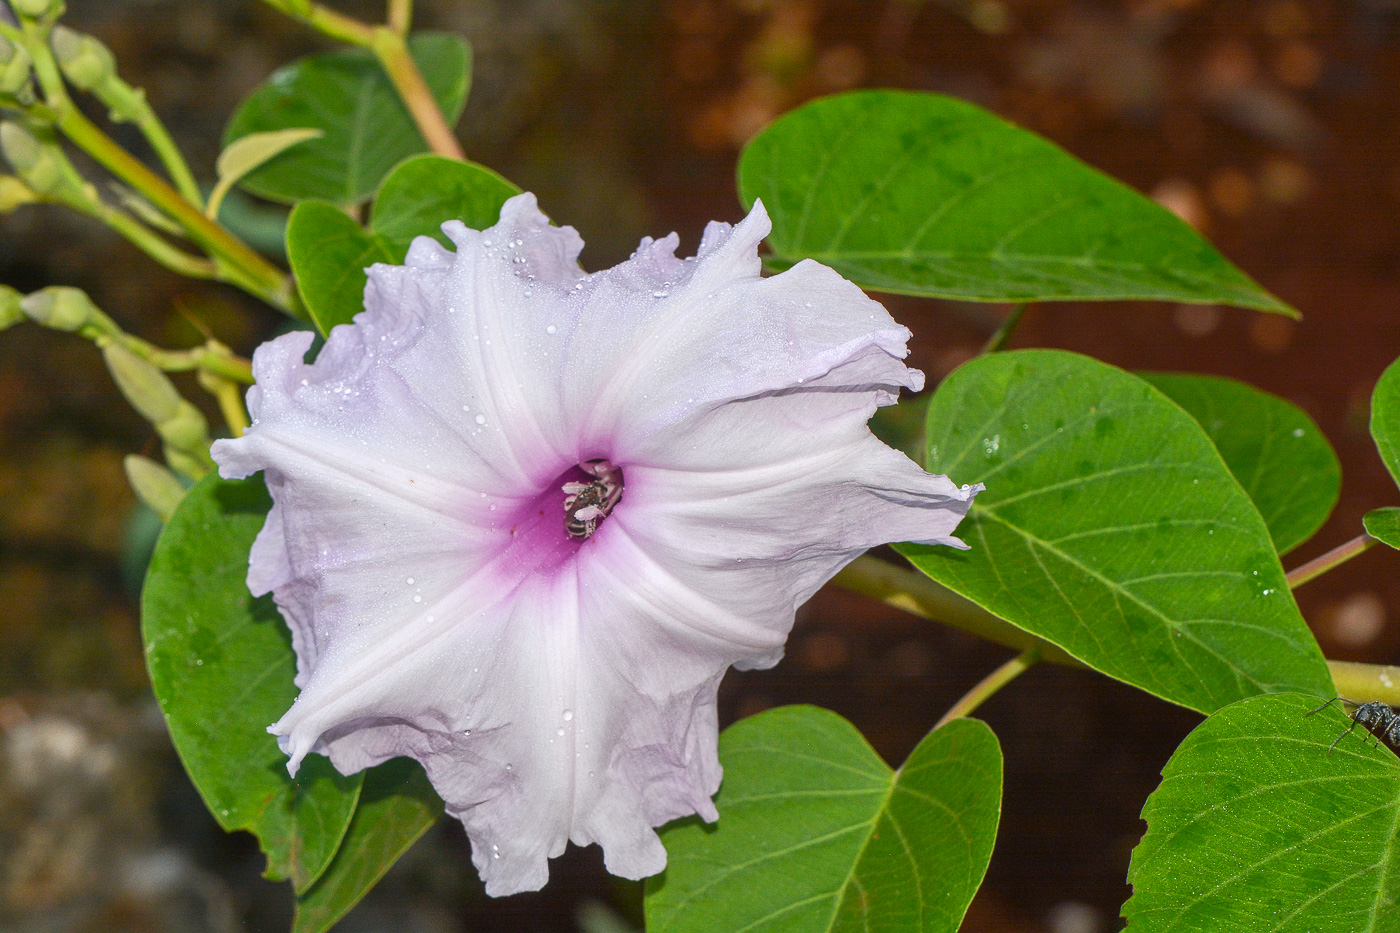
x: 1332, y: 559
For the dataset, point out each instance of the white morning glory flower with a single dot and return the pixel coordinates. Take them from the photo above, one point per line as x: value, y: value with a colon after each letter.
x: 525, y: 518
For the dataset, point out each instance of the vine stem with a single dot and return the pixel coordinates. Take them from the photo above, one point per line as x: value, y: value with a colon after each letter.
x: 918, y: 595
x: 391, y: 48
x: 990, y: 684
x: 400, y: 18
x: 238, y: 263
x: 235, y: 261
x: 1333, y: 558
x: 1004, y: 330
x: 390, y: 45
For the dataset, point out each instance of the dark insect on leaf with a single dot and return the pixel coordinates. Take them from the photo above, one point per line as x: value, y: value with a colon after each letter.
x: 1380, y: 720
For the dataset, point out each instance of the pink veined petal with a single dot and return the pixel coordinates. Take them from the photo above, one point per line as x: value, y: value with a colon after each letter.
x: 557, y: 688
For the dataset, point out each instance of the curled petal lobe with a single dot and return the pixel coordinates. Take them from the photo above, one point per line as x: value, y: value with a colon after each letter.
x: 526, y: 517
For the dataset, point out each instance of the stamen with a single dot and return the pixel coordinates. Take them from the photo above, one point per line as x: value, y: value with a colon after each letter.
x: 587, y: 504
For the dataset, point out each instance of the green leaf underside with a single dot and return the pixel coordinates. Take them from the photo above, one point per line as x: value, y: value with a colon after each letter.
x: 1385, y: 418
x: 816, y: 833
x: 221, y: 664
x: 396, y: 807
x: 329, y: 252
x: 347, y: 95
x: 1383, y: 525
x: 922, y: 194
x: 1279, y: 455
x: 1112, y: 528
x: 1257, y: 829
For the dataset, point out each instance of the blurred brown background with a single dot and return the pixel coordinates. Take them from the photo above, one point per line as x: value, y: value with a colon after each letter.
x: 1271, y: 125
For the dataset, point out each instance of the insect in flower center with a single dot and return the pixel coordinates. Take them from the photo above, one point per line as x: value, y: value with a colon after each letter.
x: 587, y: 504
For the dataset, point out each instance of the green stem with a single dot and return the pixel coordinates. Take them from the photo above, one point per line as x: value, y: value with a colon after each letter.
x: 1366, y: 682
x: 400, y: 18
x: 917, y: 595
x: 392, y: 51
x: 1333, y: 558
x: 389, y: 44
x: 1003, y: 333
x: 152, y: 244
x: 990, y: 684
x: 230, y: 401
x: 236, y: 262
x: 122, y: 97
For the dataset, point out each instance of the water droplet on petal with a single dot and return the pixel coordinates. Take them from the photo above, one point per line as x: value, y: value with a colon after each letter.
x: 551, y: 330
x: 480, y: 419
x: 568, y: 715
x: 417, y: 598
x: 409, y: 581
x: 559, y: 731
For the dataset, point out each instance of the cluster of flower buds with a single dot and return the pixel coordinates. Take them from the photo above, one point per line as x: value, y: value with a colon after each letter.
x: 86, y: 62
x: 43, y: 169
x: 180, y: 425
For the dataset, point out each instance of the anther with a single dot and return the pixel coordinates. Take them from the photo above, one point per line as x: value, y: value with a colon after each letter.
x: 587, y: 504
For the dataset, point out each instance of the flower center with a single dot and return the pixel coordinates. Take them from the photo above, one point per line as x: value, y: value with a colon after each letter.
x: 587, y: 504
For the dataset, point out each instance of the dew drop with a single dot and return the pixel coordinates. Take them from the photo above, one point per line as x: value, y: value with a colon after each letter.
x: 1298, y: 432
x: 409, y: 581
x: 466, y: 408
x: 466, y: 732
x: 559, y: 731
x: 551, y: 330
x: 509, y: 768
x: 568, y: 715
x: 480, y: 419
x: 528, y: 293
x: 660, y: 294
x: 492, y: 506
x: 417, y: 598
x: 485, y: 242
x: 590, y: 774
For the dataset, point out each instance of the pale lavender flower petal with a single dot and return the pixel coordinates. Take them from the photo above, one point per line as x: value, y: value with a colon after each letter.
x: 468, y: 584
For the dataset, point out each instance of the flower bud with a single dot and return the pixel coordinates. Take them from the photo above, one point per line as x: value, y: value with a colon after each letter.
x: 186, y: 464
x: 59, y: 307
x: 10, y: 311
x: 14, y: 193
x: 85, y: 61
x: 154, y: 485
x: 149, y: 390
x: 40, y: 165
x: 14, y: 68
x: 186, y: 429
x: 37, y: 9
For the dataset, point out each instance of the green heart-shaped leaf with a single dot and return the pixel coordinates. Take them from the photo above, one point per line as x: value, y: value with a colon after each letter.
x: 396, y: 807
x: 817, y: 834
x: 329, y: 252
x: 221, y: 664
x: 1385, y: 418
x: 348, y: 97
x: 1257, y: 827
x: 1278, y: 453
x: 1111, y: 527
x: 1383, y: 525
x: 922, y: 194
x: 425, y: 191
